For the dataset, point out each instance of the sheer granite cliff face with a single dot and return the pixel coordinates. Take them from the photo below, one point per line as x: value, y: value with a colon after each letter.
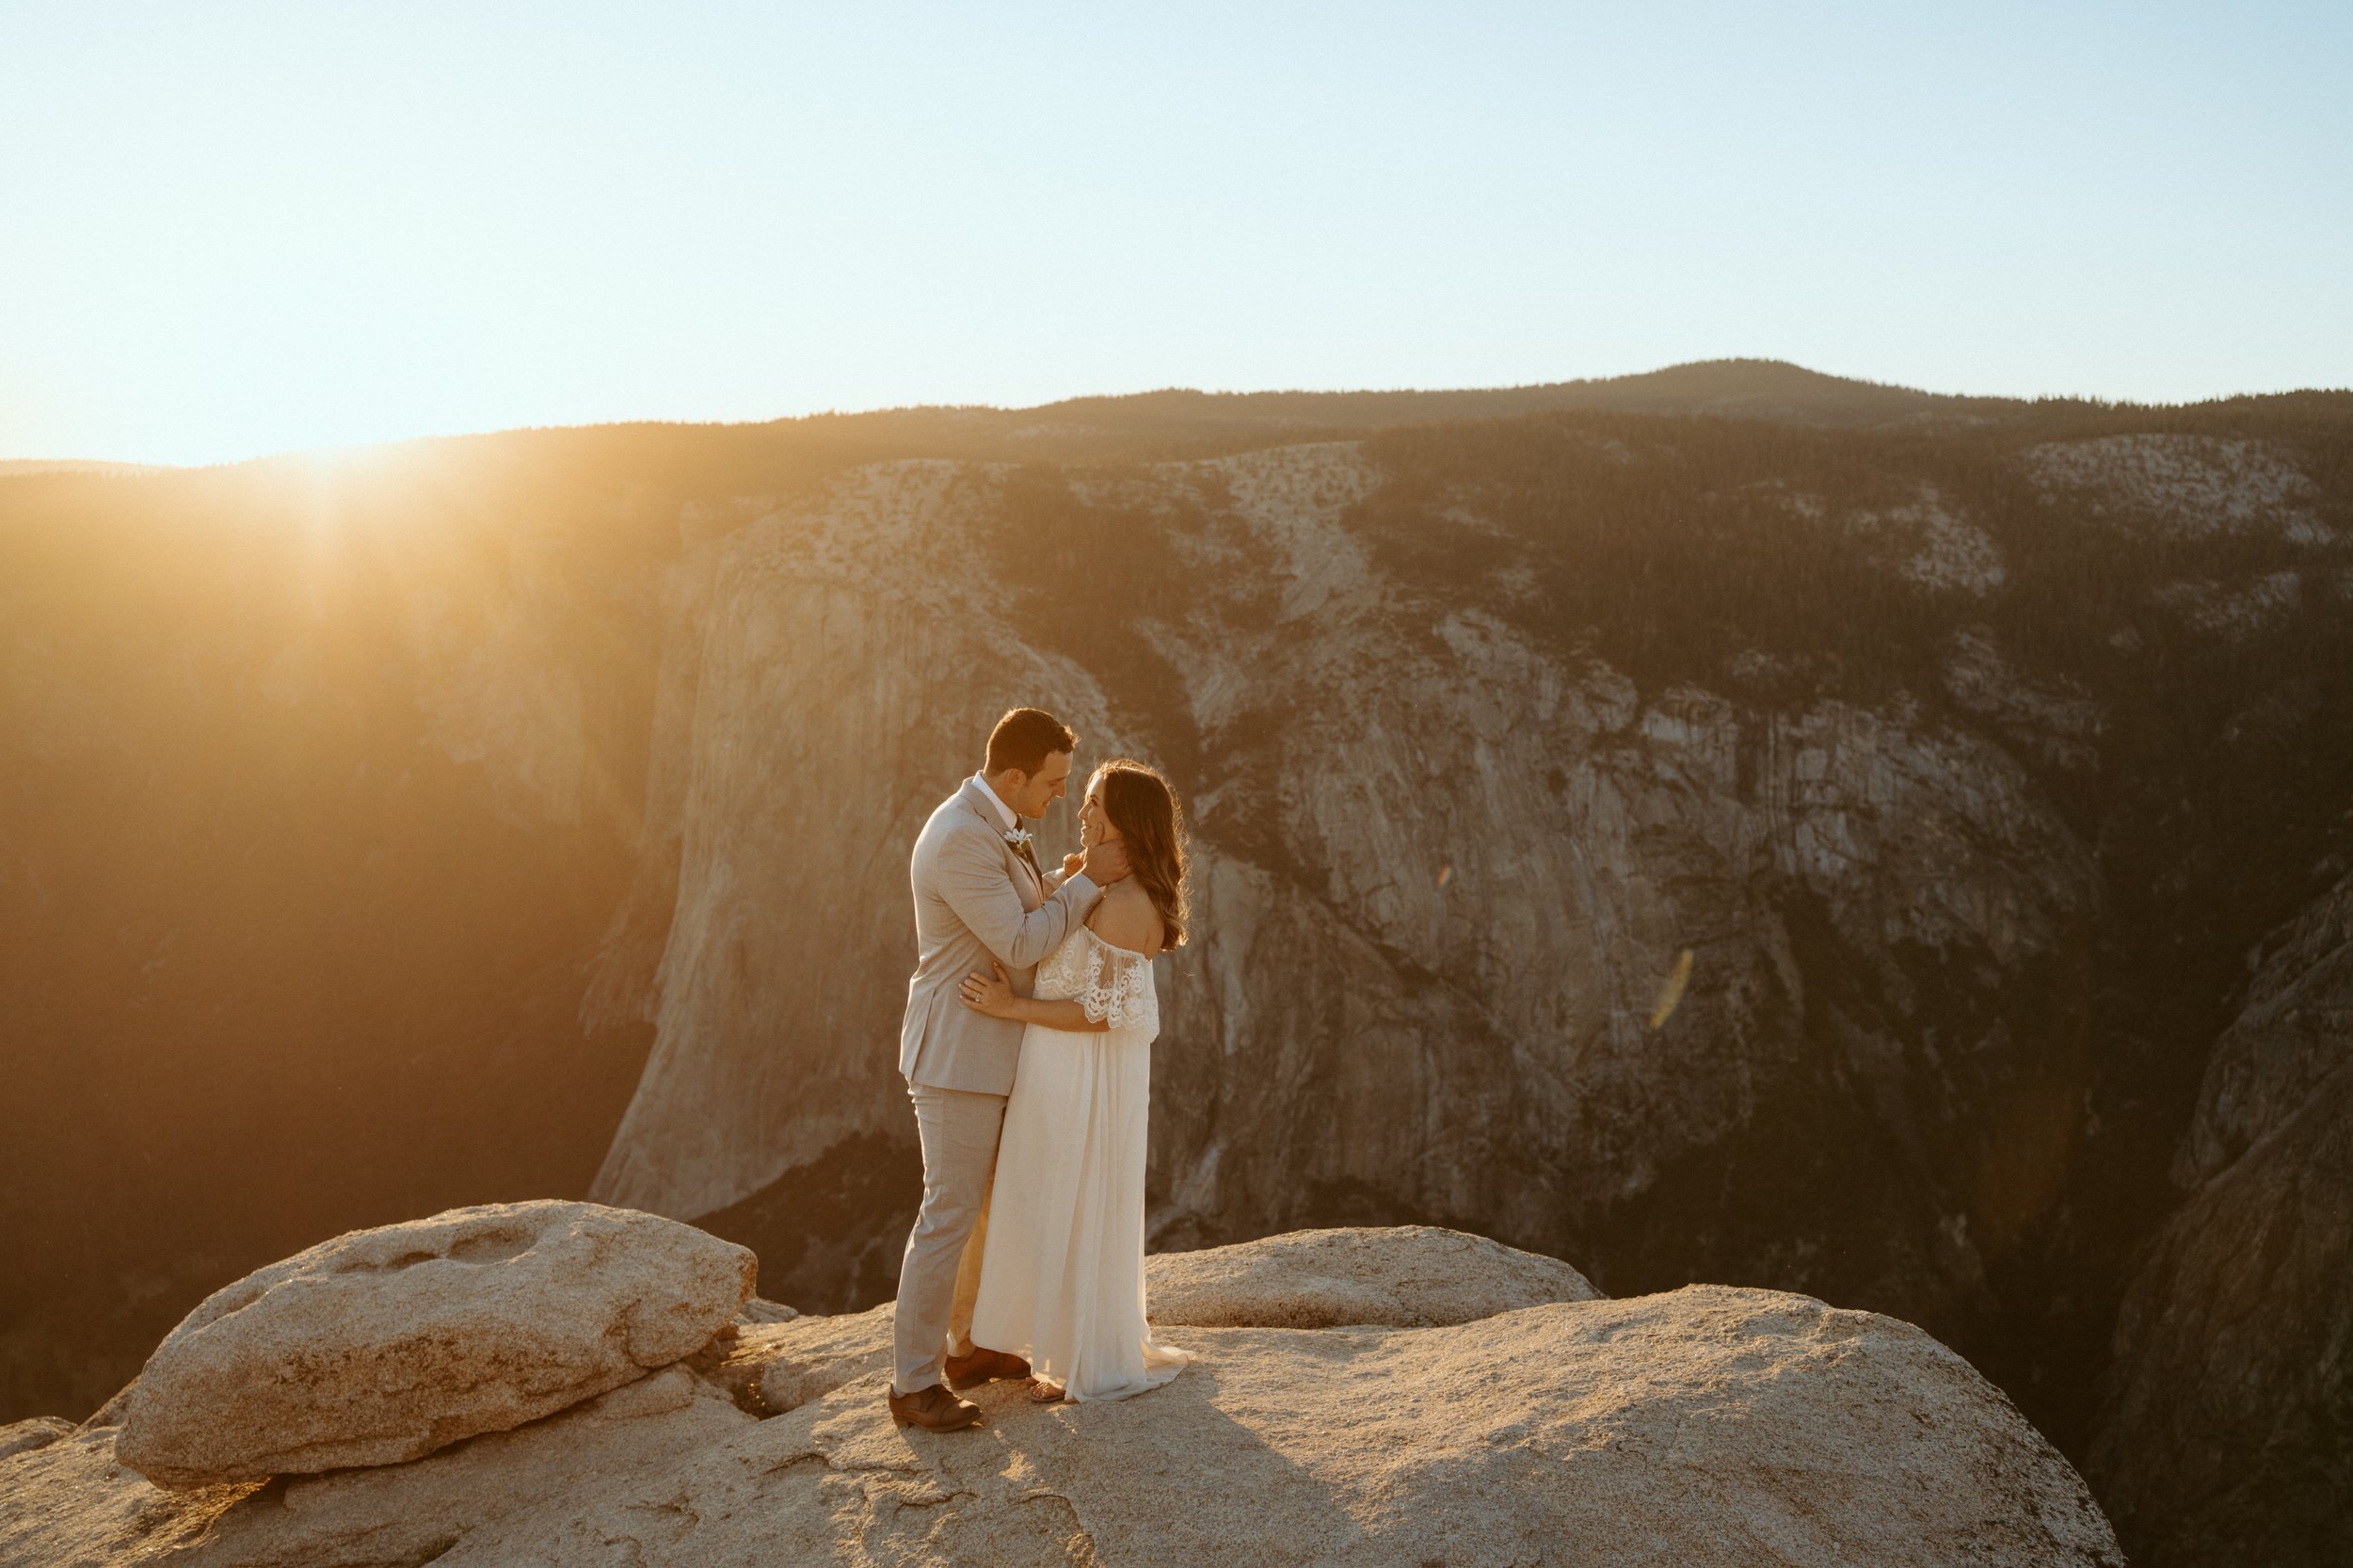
x: 832, y: 693
x: 1483, y: 934
x: 2224, y: 1436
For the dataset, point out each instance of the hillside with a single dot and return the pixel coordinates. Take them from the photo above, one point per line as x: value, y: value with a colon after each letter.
x: 1728, y: 826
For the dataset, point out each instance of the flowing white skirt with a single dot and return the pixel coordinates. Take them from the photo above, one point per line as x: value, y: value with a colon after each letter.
x: 1062, y: 1268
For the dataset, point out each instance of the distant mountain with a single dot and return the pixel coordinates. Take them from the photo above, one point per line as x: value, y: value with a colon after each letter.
x: 1182, y: 423
x: 1729, y: 824
x: 1176, y: 422
x: 1730, y: 389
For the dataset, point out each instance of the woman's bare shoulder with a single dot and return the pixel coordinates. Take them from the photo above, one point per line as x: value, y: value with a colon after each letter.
x: 1127, y: 918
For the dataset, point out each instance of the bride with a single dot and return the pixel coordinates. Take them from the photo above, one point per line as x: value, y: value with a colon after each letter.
x: 1061, y: 1267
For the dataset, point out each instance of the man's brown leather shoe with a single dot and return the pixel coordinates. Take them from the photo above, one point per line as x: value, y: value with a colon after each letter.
x: 981, y: 1365
x: 934, y: 1409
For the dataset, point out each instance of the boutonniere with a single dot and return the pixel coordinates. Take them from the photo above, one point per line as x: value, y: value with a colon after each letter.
x: 1017, y: 838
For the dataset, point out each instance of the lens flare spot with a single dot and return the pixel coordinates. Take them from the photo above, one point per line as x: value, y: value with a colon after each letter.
x: 1671, y: 994
x: 1445, y: 874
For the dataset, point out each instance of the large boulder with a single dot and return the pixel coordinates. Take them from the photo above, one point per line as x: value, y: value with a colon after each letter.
x: 1705, y: 1426
x: 1408, y: 1276
x: 384, y: 1345
x: 71, y: 1506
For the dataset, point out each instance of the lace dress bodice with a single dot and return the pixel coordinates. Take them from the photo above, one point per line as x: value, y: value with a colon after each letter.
x: 1108, y: 983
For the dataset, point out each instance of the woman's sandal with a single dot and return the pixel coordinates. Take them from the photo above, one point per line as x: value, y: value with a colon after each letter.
x: 1043, y: 1392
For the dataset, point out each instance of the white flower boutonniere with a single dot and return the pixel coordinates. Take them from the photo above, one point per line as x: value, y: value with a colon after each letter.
x: 1019, y: 838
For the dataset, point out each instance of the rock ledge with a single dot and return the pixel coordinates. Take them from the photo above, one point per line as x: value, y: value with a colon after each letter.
x: 1705, y: 1426
x: 383, y: 1345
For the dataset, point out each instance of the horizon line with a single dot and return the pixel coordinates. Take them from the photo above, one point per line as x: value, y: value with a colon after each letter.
x: 24, y: 465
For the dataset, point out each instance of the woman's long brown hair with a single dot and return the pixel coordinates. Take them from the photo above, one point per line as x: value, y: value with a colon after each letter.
x: 1144, y: 808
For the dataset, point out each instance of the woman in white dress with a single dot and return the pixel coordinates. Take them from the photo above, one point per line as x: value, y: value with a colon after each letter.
x: 1062, y: 1269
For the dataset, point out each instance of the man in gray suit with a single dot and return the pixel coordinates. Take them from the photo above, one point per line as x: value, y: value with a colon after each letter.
x: 979, y: 895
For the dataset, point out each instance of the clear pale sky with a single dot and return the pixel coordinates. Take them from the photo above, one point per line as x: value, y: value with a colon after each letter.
x: 228, y: 229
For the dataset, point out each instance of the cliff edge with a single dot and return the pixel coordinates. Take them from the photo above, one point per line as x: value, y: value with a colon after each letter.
x: 1542, y: 1423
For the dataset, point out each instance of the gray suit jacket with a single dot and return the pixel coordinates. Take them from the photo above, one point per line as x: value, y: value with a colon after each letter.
x: 975, y: 899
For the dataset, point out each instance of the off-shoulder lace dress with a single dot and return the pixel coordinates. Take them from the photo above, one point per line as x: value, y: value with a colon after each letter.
x: 1062, y: 1271
x: 1106, y: 981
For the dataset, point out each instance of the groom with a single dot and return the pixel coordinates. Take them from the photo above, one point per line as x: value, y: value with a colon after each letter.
x: 979, y: 894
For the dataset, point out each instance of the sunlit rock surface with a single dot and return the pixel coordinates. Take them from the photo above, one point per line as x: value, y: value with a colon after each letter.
x: 384, y: 1345
x: 797, y: 801
x: 35, y: 1432
x: 2186, y: 486
x: 1705, y: 1426
x: 1407, y: 1276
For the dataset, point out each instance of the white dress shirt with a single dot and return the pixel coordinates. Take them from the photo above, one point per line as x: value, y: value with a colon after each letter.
x: 1013, y: 823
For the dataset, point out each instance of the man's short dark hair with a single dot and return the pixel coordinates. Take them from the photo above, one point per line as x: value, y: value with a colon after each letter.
x: 1025, y: 737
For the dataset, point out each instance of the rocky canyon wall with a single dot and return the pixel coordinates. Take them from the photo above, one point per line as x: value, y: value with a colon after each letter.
x: 1449, y: 880
x: 1821, y: 860
x: 2224, y: 1438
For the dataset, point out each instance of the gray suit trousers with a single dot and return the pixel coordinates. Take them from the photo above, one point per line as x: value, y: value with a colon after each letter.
x: 941, y: 1273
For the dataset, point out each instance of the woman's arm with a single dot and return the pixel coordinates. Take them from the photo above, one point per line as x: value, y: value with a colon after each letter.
x: 992, y: 994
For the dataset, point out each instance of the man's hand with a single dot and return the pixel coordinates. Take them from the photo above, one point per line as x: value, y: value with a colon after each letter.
x: 1072, y: 865
x: 1105, y: 864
